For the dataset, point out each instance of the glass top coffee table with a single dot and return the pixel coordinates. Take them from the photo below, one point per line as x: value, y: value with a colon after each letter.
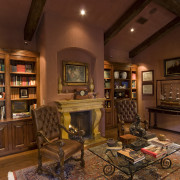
x: 115, y: 161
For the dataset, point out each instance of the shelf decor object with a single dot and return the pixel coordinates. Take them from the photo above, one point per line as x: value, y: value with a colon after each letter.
x: 148, y: 83
x: 172, y: 67
x: 60, y: 85
x: 75, y: 73
x: 91, y: 85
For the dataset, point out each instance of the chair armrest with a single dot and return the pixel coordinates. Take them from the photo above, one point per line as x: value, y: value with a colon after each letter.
x: 47, y: 141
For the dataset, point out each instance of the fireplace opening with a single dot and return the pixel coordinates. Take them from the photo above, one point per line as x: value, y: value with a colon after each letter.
x: 82, y: 121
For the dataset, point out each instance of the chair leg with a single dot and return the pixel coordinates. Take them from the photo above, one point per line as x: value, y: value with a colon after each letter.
x: 82, y: 158
x: 39, y: 170
x: 61, y: 164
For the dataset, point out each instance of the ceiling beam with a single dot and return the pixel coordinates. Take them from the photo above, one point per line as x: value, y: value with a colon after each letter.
x: 171, y: 5
x: 32, y: 21
x: 133, y: 11
x: 156, y: 36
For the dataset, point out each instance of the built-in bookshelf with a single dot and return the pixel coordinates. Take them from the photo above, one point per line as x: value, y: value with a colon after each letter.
x: 120, y: 82
x: 19, y: 94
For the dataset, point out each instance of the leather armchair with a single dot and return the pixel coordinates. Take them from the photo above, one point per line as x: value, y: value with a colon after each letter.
x: 49, y: 140
x: 126, y: 115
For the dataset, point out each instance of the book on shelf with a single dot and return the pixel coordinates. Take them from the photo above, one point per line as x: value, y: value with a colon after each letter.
x: 20, y: 67
x: 20, y: 115
x: 154, y: 150
x: 131, y: 155
x: 133, y: 76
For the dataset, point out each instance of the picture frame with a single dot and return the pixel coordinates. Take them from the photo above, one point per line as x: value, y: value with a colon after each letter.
x: 148, y: 89
x: 19, y: 106
x: 172, y: 67
x: 75, y: 73
x: 23, y: 93
x: 148, y: 76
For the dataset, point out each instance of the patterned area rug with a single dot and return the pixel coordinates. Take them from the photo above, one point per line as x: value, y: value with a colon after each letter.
x: 94, y: 171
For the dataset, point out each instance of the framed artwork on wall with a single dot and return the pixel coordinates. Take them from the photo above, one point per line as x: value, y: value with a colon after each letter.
x: 148, y: 76
x: 147, y: 89
x: 148, y: 82
x: 75, y: 73
x: 172, y: 67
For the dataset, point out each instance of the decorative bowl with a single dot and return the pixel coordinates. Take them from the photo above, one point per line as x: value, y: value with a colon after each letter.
x: 111, y: 142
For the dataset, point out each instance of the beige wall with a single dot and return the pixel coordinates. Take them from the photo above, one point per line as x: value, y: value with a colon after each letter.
x: 152, y: 59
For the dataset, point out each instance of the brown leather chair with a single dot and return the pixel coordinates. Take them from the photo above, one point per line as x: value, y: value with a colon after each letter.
x: 50, y: 143
x: 126, y: 115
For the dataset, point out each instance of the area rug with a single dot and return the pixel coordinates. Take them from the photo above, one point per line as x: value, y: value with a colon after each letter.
x: 94, y: 171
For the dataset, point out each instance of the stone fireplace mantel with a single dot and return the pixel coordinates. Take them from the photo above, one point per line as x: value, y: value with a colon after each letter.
x: 65, y: 107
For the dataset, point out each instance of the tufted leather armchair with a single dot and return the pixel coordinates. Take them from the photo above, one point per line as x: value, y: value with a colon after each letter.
x: 50, y: 143
x: 126, y: 115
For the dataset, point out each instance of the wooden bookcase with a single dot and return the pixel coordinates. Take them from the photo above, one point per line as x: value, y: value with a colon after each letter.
x: 19, y: 92
x: 108, y: 93
x: 123, y: 85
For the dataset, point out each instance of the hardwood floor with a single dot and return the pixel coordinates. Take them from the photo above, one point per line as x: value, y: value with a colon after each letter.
x: 29, y: 158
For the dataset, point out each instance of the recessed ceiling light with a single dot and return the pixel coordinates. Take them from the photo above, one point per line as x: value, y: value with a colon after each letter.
x: 82, y: 12
x: 132, y: 29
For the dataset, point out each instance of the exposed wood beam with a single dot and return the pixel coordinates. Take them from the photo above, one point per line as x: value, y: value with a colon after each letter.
x: 171, y: 5
x: 32, y: 21
x: 133, y: 11
x: 156, y: 36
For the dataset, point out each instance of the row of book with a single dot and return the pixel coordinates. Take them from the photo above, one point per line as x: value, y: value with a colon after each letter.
x: 2, y: 79
x: 22, y: 68
x: 16, y: 93
x: 20, y: 115
x: 23, y: 81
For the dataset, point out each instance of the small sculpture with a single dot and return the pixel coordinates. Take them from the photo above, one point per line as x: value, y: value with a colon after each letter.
x: 91, y: 86
x: 60, y: 85
x: 136, y: 129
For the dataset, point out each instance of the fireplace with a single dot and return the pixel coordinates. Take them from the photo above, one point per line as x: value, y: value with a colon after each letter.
x: 82, y: 121
x: 89, y: 108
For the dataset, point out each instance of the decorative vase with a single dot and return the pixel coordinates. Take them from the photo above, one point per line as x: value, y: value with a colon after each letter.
x: 91, y: 86
x: 60, y: 85
x: 123, y: 75
x: 116, y: 74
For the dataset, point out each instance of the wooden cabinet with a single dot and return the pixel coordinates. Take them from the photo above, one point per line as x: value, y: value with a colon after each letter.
x: 19, y: 93
x: 120, y: 82
x: 4, y: 141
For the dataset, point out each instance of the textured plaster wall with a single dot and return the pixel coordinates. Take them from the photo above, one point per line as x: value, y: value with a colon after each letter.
x: 70, y: 40
x: 152, y: 59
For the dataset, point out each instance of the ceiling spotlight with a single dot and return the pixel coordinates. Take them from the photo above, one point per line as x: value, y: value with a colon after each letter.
x: 132, y: 29
x: 82, y: 12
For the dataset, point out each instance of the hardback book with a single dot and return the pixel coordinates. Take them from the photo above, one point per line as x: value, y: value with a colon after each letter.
x: 156, y: 141
x: 131, y: 155
x: 154, y: 150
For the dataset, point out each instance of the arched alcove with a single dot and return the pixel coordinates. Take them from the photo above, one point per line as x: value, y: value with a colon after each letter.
x: 75, y: 54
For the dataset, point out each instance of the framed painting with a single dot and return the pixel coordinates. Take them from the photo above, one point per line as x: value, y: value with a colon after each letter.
x: 75, y: 73
x: 172, y: 67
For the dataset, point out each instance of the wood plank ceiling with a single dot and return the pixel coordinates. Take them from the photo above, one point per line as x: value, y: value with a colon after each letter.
x: 173, y: 6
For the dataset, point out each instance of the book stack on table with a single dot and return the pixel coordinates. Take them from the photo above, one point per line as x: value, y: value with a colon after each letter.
x: 154, y: 150
x: 131, y: 155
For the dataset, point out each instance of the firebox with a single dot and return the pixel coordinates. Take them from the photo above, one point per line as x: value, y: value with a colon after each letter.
x: 82, y: 121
